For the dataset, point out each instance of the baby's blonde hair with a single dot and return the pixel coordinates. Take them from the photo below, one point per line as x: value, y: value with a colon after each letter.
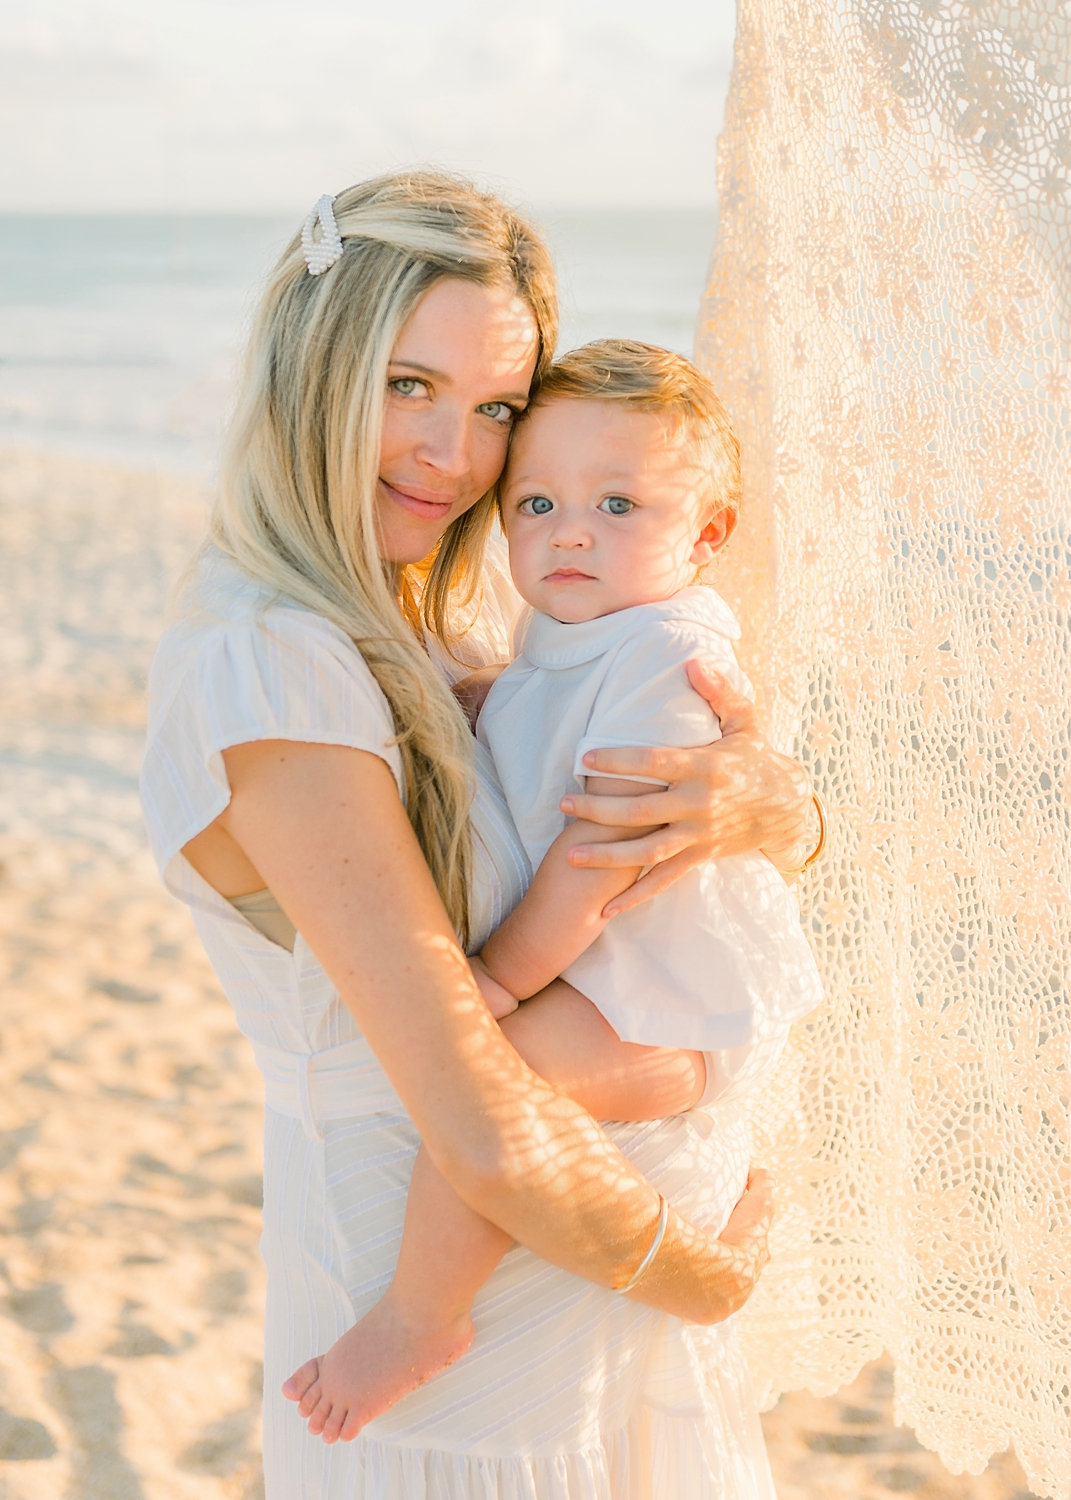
x: 297, y: 502
x: 651, y: 379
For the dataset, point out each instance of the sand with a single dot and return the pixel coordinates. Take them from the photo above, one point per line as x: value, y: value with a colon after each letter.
x: 130, y: 1284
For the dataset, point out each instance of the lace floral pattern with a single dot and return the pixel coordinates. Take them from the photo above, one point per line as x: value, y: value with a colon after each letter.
x: 888, y: 317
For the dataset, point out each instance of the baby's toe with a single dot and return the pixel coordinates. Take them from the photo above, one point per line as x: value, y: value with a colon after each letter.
x: 319, y: 1418
x: 294, y: 1388
x: 334, y: 1424
x: 350, y: 1427
x: 311, y: 1399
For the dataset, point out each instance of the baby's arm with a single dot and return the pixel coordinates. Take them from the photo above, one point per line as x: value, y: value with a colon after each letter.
x: 564, y: 1038
x: 560, y: 915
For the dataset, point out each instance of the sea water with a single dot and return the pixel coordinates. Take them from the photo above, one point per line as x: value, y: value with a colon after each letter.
x: 120, y: 336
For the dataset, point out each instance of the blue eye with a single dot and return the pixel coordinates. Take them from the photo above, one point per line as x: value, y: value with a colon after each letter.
x: 617, y: 505
x: 536, y: 505
x: 406, y: 385
x: 498, y: 411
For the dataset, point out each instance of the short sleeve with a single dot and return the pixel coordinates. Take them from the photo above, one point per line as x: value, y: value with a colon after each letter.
x: 645, y: 697
x: 283, y: 673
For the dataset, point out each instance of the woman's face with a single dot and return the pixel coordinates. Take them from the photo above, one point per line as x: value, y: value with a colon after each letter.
x: 458, y: 374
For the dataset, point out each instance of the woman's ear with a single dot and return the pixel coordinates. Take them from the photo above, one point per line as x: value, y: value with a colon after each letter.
x: 713, y: 536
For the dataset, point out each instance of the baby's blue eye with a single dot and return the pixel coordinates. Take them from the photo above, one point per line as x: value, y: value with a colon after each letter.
x: 537, y: 505
x: 616, y: 505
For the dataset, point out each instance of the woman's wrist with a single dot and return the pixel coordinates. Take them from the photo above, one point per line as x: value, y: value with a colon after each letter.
x: 696, y: 1277
x: 705, y: 1280
x: 550, y: 1195
x: 656, y: 1244
x: 820, y: 841
x: 798, y: 854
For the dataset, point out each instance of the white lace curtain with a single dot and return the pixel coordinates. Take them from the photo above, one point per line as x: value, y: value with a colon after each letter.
x: 888, y: 317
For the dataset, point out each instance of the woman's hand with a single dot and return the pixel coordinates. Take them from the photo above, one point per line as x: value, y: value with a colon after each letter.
x: 747, y: 1234
x: 741, y: 1253
x: 735, y: 795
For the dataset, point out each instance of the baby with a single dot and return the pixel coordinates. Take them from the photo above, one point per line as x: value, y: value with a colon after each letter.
x: 622, y: 482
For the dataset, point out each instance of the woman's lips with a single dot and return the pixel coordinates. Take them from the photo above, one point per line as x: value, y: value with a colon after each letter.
x: 422, y: 503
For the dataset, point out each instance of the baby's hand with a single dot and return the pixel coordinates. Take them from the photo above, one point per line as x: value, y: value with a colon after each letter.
x: 498, y: 999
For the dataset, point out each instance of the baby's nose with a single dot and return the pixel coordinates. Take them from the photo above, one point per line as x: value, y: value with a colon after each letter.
x: 571, y: 533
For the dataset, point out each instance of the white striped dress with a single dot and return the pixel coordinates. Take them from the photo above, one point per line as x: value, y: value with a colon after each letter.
x: 569, y: 1391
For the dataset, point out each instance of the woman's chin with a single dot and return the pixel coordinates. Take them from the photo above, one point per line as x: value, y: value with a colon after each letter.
x: 403, y: 551
x: 407, y: 559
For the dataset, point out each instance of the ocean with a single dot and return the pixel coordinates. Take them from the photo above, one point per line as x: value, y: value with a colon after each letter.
x: 119, y: 335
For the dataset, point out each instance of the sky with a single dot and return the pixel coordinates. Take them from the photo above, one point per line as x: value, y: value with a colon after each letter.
x: 215, y: 105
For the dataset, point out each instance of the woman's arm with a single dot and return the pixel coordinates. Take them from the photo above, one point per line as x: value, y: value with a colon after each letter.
x: 728, y: 797
x: 325, y: 830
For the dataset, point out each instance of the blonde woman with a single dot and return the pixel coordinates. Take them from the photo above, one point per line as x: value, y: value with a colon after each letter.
x: 309, y: 787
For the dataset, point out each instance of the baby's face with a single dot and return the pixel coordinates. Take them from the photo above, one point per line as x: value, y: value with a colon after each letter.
x: 603, y: 508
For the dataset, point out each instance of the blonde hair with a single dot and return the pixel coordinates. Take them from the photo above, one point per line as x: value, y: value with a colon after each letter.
x: 651, y: 379
x: 297, y: 500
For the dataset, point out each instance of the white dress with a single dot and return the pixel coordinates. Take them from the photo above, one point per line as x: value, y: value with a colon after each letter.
x: 570, y: 1392
x: 722, y: 948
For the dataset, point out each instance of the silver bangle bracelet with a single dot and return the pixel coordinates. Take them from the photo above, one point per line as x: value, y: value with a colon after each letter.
x: 659, y: 1236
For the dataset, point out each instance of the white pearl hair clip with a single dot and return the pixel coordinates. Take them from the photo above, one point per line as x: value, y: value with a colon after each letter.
x: 321, y: 255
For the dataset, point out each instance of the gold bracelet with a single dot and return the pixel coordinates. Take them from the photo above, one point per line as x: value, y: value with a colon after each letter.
x: 821, y: 844
x: 660, y: 1232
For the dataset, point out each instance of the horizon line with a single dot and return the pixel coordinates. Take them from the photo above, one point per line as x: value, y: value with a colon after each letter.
x: 269, y: 212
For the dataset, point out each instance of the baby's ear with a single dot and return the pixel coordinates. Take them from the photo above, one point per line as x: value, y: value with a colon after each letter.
x: 713, y: 536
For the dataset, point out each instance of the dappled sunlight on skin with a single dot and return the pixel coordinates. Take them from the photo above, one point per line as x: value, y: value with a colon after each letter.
x: 613, y: 1080
x: 379, y: 991
x: 420, y: 1327
x: 459, y: 372
x: 515, y: 1149
x: 564, y: 1156
x: 605, y: 507
x: 567, y: 1160
x: 390, y: 1352
x: 720, y: 800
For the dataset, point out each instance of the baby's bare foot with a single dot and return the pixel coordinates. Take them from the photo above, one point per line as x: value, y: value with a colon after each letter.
x: 374, y: 1364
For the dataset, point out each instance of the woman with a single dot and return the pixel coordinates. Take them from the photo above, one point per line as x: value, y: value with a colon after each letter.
x: 307, y: 784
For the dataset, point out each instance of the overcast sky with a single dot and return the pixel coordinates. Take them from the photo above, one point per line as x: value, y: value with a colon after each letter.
x: 261, y: 104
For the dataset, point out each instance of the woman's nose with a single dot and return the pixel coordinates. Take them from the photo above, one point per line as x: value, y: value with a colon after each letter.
x: 446, y: 444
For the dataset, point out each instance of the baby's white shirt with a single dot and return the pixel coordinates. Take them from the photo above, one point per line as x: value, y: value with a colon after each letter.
x: 711, y: 962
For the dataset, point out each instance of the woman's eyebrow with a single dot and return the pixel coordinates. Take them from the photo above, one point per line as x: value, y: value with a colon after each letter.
x: 411, y: 364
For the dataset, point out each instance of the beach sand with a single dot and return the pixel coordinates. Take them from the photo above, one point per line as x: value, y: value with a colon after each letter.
x: 130, y: 1283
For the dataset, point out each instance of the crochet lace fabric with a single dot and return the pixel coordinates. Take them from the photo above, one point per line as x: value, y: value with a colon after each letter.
x: 888, y: 317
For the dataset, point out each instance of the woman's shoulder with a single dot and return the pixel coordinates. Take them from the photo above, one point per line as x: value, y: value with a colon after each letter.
x: 241, y: 662
x: 219, y: 599
x: 224, y: 616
